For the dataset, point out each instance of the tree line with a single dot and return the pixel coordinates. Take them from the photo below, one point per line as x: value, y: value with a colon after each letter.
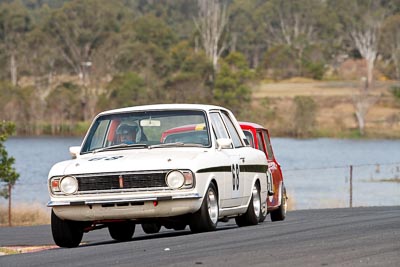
x: 62, y: 61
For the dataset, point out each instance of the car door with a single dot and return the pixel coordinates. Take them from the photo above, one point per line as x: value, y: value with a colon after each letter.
x: 239, y: 177
x: 261, y: 145
x: 232, y: 187
x: 275, y: 169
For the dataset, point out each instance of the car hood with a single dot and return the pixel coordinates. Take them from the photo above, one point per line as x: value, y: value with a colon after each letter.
x: 131, y: 160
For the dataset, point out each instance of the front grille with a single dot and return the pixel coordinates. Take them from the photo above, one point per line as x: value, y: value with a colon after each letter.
x: 106, y: 182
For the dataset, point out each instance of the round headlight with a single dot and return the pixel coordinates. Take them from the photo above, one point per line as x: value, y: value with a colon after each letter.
x: 68, y: 185
x: 175, y: 179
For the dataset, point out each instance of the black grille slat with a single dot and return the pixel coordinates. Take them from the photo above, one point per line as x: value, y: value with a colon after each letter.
x: 130, y: 181
x: 145, y: 180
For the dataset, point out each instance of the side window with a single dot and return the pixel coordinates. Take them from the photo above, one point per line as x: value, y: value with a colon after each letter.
x: 218, y: 125
x: 260, y: 142
x: 237, y: 141
x: 268, y: 145
x: 249, y: 137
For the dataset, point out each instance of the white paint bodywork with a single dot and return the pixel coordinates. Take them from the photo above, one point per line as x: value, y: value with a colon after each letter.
x: 202, y: 161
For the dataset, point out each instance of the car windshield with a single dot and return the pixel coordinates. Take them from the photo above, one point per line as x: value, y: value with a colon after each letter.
x: 148, y: 129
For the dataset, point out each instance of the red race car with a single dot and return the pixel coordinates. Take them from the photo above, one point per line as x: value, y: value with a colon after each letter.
x: 258, y: 138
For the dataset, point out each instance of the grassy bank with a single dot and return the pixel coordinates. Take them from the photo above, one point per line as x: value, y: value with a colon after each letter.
x: 25, y: 215
x: 273, y: 105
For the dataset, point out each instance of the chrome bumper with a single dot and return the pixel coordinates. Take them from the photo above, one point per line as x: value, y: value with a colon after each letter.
x: 121, y: 201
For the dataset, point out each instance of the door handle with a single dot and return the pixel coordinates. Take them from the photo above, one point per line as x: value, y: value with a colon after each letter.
x: 243, y: 159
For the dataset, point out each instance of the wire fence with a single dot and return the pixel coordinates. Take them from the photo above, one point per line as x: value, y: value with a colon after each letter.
x: 344, y: 186
x: 308, y: 188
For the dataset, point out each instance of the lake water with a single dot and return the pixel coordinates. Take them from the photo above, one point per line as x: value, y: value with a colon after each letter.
x: 316, y: 171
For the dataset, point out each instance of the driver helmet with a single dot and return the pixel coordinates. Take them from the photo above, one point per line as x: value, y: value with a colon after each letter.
x: 127, y: 133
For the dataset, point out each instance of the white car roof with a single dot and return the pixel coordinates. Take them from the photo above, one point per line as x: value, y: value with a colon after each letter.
x: 163, y: 107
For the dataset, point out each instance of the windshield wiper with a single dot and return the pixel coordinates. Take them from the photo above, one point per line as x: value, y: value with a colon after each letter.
x: 119, y: 146
x: 174, y: 144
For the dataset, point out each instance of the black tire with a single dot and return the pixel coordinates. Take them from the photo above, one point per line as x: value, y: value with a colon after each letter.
x: 121, y: 231
x: 206, y: 218
x: 280, y: 213
x: 151, y: 228
x: 253, y: 213
x: 66, y: 233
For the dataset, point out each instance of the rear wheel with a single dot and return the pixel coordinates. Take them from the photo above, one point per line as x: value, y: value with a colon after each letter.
x: 66, y: 233
x: 151, y: 228
x: 206, y: 218
x: 253, y: 213
x: 280, y: 213
x: 121, y: 231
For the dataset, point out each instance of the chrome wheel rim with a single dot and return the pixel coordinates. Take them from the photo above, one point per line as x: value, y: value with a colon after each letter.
x: 264, y: 209
x: 256, y: 202
x: 212, y: 206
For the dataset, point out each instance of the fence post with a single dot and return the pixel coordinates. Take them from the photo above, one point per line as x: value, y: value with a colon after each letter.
x: 351, y: 186
x: 9, y: 204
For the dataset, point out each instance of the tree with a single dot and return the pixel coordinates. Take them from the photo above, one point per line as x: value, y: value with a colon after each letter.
x: 20, y: 104
x: 362, y: 21
x: 141, y: 46
x: 125, y: 89
x: 247, y: 32
x: 304, y: 116
x: 15, y: 22
x: 363, y: 101
x: 43, y: 54
x: 189, y: 74
x: 7, y: 92
x: 80, y: 28
x: 294, y: 24
x: 278, y: 60
x: 232, y: 83
x: 8, y: 174
x: 390, y: 42
x: 65, y: 106
x: 211, y: 25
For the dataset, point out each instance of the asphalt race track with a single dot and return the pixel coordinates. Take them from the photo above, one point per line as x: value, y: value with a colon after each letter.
x: 333, y: 237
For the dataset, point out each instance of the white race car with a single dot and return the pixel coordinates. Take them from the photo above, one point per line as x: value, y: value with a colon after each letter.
x: 158, y: 165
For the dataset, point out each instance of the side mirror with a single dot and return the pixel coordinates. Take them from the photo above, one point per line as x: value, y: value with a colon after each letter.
x: 224, y: 143
x: 74, y: 151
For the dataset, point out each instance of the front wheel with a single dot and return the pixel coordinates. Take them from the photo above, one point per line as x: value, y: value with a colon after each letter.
x: 253, y: 213
x: 122, y: 231
x: 206, y: 218
x: 66, y: 233
x: 280, y: 213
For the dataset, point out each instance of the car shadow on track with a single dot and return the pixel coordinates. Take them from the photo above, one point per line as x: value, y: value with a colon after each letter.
x: 143, y: 236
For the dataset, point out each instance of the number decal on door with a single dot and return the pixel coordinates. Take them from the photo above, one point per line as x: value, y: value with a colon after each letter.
x: 235, y: 176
